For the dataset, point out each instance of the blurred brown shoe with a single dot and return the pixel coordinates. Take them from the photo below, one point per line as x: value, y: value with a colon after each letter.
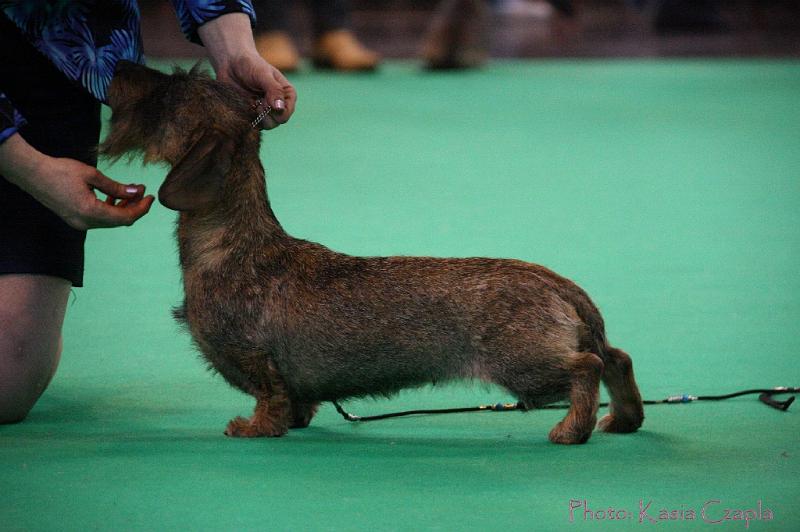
x: 457, y: 36
x: 278, y: 50
x: 341, y: 50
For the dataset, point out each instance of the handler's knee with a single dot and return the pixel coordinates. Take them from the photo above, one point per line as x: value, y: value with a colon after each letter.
x: 31, y: 315
x: 26, y: 367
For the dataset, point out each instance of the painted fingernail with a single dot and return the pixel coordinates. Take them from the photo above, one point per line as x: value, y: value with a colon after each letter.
x: 280, y: 104
x: 131, y: 190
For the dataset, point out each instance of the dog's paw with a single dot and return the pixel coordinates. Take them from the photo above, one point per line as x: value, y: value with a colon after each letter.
x: 564, y: 435
x: 619, y: 424
x: 241, y: 427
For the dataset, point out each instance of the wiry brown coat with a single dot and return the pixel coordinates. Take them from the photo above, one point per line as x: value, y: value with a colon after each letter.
x: 293, y: 323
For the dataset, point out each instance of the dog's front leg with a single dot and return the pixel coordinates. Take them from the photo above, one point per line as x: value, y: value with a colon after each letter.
x: 273, y: 412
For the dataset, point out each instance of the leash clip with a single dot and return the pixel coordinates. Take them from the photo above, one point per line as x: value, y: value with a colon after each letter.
x: 344, y: 413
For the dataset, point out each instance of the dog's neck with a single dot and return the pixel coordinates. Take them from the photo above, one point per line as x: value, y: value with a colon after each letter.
x: 241, y: 227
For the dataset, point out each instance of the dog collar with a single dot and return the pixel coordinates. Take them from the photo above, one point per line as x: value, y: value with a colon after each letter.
x: 261, y: 116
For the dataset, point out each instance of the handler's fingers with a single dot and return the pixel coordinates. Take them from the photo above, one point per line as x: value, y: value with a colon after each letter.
x: 104, y: 215
x: 113, y: 188
x: 290, y: 97
x: 269, y: 122
x: 277, y: 108
x: 111, y: 200
x: 284, y: 99
x: 110, y: 213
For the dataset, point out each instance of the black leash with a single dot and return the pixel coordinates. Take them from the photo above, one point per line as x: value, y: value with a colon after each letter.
x: 765, y: 396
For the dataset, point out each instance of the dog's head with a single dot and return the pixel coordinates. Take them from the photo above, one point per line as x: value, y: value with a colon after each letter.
x: 185, y: 119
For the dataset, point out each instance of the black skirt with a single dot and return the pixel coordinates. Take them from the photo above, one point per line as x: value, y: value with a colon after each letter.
x: 63, y: 121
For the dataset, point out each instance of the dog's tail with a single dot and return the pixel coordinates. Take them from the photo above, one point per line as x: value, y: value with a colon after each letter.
x: 592, y: 337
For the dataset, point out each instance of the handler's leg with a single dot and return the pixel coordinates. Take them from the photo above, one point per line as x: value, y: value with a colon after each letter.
x: 31, y: 315
x: 40, y: 255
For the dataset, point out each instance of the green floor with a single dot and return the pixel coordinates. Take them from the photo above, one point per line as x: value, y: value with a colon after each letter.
x: 669, y: 190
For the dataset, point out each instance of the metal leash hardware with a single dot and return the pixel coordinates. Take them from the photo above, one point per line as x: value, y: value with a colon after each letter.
x: 765, y: 396
x: 262, y: 115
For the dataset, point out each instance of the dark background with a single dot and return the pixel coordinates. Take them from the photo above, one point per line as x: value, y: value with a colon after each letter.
x: 599, y: 28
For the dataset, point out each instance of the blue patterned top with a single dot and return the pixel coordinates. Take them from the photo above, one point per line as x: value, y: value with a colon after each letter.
x: 85, y: 38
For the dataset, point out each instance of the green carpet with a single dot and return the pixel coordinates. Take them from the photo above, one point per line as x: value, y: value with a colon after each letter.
x: 668, y: 189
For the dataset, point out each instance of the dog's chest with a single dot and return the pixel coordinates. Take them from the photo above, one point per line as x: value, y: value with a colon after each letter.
x: 232, y: 325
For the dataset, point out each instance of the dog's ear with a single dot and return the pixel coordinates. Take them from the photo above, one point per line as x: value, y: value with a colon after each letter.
x: 196, y: 180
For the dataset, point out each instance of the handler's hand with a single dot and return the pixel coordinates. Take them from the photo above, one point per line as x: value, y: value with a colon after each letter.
x: 71, y: 195
x: 257, y: 77
x: 67, y: 187
x: 229, y: 42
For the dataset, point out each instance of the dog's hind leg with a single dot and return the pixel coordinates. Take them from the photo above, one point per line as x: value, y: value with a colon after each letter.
x: 625, y: 410
x: 543, y: 380
x: 576, y: 427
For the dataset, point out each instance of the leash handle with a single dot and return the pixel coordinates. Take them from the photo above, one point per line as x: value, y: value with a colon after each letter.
x: 767, y: 399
